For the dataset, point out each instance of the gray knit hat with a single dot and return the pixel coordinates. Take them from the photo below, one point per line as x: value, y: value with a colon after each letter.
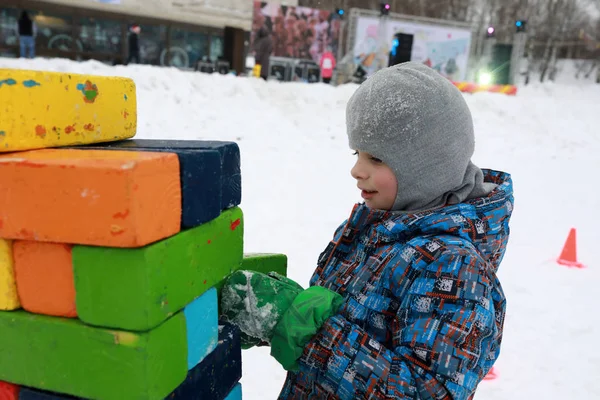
x: 417, y: 123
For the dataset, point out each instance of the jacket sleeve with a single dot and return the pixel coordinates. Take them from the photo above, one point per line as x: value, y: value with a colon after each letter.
x: 444, y: 335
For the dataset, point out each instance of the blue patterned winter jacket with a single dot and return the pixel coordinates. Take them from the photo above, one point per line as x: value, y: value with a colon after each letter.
x: 424, y: 310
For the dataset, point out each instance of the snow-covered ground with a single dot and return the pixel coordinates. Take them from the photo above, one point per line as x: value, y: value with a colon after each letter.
x: 297, y: 188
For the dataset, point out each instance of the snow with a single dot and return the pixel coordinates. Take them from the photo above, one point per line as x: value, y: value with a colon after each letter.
x: 297, y: 188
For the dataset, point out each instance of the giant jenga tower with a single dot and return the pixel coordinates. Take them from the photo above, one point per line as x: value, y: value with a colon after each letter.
x: 112, y: 250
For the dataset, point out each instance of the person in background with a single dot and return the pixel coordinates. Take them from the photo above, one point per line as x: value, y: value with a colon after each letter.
x: 263, y: 47
x: 27, y: 31
x: 134, y: 44
x: 327, y: 65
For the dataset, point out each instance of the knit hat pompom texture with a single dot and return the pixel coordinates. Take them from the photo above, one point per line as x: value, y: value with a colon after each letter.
x: 418, y: 123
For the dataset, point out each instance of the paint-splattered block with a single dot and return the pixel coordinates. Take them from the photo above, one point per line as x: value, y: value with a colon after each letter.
x: 231, y: 178
x: 218, y: 374
x: 137, y: 289
x: 66, y: 356
x: 44, y: 276
x: 202, y: 332
x: 92, y: 197
x: 49, y: 109
x: 9, y: 391
x: 236, y: 393
x: 9, y: 299
x: 201, y: 180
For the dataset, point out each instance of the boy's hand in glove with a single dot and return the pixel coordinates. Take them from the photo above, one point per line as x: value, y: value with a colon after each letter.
x: 276, y: 310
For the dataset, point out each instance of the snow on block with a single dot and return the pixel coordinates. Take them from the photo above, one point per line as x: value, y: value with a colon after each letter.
x: 137, y: 289
x: 200, y: 174
x: 9, y: 299
x: 218, y: 373
x: 43, y: 109
x: 231, y: 178
x: 92, y: 197
x: 44, y: 276
x: 236, y: 393
x: 66, y: 356
x: 202, y: 323
x: 9, y: 391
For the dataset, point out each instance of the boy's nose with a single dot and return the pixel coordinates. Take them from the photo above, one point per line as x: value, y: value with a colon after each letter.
x: 358, y: 172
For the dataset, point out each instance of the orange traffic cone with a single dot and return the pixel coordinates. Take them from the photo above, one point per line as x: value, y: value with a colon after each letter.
x: 568, y: 256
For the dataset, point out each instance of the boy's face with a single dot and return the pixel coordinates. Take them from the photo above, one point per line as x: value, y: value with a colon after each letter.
x: 376, y: 181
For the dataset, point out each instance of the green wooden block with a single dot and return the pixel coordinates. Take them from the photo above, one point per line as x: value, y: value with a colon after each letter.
x: 265, y: 263
x: 137, y: 289
x: 66, y: 356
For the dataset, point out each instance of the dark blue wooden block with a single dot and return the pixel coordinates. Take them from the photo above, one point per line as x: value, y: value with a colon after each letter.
x: 218, y: 373
x: 231, y: 178
x: 26, y: 393
x: 201, y: 181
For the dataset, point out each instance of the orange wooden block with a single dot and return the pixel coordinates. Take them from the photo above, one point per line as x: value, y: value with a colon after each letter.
x: 8, y: 391
x: 44, y: 275
x: 93, y: 197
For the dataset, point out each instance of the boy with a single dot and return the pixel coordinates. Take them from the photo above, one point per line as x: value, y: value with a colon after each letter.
x: 405, y: 302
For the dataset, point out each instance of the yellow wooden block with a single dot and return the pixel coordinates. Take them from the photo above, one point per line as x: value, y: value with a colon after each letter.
x: 9, y: 300
x: 41, y: 109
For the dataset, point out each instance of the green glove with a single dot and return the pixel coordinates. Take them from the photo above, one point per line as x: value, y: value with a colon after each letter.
x: 273, y: 309
x: 255, y: 302
x: 308, y: 312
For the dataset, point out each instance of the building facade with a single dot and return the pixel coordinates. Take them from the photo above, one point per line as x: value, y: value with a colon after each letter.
x: 173, y: 32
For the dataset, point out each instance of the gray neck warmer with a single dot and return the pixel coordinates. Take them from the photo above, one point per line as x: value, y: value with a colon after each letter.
x: 417, y: 123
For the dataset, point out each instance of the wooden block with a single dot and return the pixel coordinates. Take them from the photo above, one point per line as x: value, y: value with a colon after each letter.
x: 231, y: 178
x: 202, y: 332
x: 200, y: 174
x: 9, y: 299
x: 218, y: 373
x: 48, y: 109
x: 236, y: 393
x: 66, y: 356
x: 44, y: 275
x: 9, y: 391
x: 265, y: 263
x: 101, y: 198
x: 202, y: 326
x: 137, y: 289
x: 34, y: 394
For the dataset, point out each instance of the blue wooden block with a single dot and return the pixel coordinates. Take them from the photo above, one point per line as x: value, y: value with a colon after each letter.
x: 219, y: 372
x: 201, y: 180
x: 26, y: 393
x: 231, y: 178
x: 202, y: 324
x: 236, y: 393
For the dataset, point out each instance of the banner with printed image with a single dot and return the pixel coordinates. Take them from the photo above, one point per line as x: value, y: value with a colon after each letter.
x: 297, y: 32
x: 445, y: 49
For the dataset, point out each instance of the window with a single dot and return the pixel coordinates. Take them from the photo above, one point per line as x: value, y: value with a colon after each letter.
x: 100, y: 35
x: 55, y: 32
x: 187, y: 48
x: 216, y: 47
x: 152, y: 41
x: 8, y: 27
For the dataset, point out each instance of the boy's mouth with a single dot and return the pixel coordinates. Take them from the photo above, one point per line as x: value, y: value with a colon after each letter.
x: 367, y: 194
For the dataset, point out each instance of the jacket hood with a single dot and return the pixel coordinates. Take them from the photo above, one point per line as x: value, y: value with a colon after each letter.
x: 483, y: 221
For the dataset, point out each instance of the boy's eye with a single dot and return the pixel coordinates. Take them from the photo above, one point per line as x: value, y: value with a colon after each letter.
x: 375, y: 159
x: 355, y: 153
